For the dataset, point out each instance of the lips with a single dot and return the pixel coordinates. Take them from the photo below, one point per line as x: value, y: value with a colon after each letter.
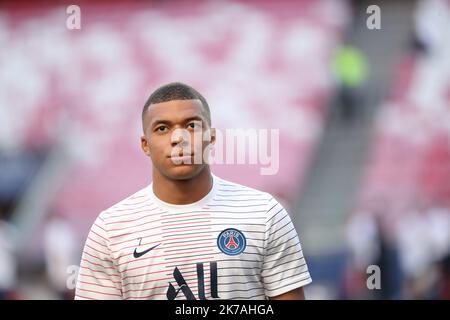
x: 181, y: 155
x: 186, y: 158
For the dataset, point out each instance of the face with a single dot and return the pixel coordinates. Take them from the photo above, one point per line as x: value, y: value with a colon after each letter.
x: 174, y: 138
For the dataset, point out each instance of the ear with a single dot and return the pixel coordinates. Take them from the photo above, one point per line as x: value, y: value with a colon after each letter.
x: 145, y: 145
x: 213, y: 136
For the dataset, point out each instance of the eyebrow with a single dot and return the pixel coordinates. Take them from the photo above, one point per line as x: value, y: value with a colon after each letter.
x: 168, y: 122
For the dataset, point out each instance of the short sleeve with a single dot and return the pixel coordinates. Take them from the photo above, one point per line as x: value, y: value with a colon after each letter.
x: 284, y: 267
x: 98, y: 277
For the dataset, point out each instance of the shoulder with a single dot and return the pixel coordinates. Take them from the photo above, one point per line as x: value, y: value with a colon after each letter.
x: 134, y: 202
x: 251, y: 200
x: 238, y: 191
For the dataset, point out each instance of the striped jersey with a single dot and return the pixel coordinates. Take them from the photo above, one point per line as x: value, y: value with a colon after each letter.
x: 235, y: 243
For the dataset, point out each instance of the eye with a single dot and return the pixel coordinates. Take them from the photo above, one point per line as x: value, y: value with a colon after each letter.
x: 194, y: 125
x: 161, y: 129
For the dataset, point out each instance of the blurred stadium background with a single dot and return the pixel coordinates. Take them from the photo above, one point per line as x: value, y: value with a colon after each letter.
x: 364, y: 119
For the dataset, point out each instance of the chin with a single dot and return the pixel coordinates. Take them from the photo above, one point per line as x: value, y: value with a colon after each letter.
x: 183, y: 172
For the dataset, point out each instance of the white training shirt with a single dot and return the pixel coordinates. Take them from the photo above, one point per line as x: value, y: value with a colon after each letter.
x: 235, y: 243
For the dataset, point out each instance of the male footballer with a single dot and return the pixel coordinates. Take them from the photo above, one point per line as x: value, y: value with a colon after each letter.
x: 190, y: 234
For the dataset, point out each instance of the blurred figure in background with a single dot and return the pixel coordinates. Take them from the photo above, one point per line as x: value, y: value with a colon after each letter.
x: 361, y: 235
x: 351, y: 69
x: 371, y: 242
x: 8, y: 261
x: 411, y: 246
x: 444, y: 280
x: 61, y: 251
x: 388, y: 259
x: 424, y: 239
x: 430, y: 21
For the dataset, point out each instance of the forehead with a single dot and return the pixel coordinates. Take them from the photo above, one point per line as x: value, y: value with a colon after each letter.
x: 174, y: 111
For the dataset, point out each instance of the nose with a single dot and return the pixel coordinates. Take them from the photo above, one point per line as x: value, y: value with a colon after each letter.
x: 176, y: 140
x: 179, y: 138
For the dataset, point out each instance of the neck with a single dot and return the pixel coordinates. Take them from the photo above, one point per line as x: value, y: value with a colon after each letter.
x: 182, y: 191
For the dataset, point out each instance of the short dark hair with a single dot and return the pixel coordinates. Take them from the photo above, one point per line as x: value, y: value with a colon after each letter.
x: 176, y: 91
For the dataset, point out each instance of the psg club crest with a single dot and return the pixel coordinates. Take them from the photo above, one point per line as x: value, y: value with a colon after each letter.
x: 231, y: 241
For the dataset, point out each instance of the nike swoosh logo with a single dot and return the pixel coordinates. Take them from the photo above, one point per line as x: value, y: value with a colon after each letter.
x: 140, y: 254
